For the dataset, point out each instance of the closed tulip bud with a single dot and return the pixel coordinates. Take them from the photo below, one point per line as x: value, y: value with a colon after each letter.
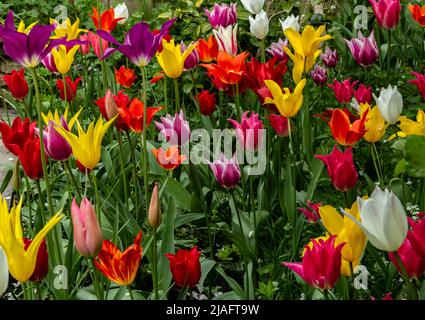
x: 192, y: 59
x: 111, y: 108
x: 279, y: 124
x: 319, y: 75
x: 175, y: 129
x: 387, y: 12
x: 291, y: 22
x: 121, y: 12
x: 249, y: 131
x: 4, y: 273
x: 55, y: 145
x: 17, y: 84
x: 185, y: 267
x: 222, y: 15
x: 42, y: 262
x: 364, y: 50
x: 340, y: 168
x: 259, y: 26
x: 155, y: 212
x: 383, y: 220
x: 253, y: 6
x: 87, y: 233
x: 226, y: 171
x: 390, y: 104
x: 207, y: 102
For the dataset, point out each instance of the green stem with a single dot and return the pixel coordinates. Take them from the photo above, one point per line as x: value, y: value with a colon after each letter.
x: 65, y: 91
x: 143, y: 137
x: 96, y: 191
x: 96, y: 283
x: 122, y: 166
x: 413, y: 293
x: 238, y: 107
x: 177, y: 94
x: 77, y: 189
x: 389, y: 51
x: 376, y: 162
x: 165, y: 95
x: 135, y: 174
x: 263, y: 54
x: 154, y: 265
x: 130, y: 292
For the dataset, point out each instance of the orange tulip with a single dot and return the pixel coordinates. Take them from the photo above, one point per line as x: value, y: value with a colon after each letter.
x: 345, y: 132
x: 125, y: 77
x: 169, y: 159
x: 120, y: 267
x: 418, y: 13
x: 207, y: 49
x: 107, y: 19
x: 133, y: 115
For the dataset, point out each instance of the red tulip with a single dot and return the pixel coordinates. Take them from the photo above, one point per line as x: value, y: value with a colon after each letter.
x: 185, y: 267
x: 419, y: 82
x: 312, y: 212
x: 125, y: 77
x: 17, y: 84
x: 71, y: 88
x: 416, y: 235
x: 413, y: 264
x: 279, y: 124
x: 363, y: 94
x: 387, y: 12
x: 343, y: 90
x: 418, y: 13
x: 134, y: 114
x: 207, y: 102
x: 321, y: 265
x: 121, y: 100
x: 30, y: 157
x: 340, y: 168
x: 17, y: 134
x: 42, y: 262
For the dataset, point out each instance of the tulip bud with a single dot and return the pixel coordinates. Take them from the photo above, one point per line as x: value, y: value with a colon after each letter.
x: 319, y: 75
x: 364, y: 50
x: 253, y: 6
x: 207, y: 103
x: 185, y: 267
x: 226, y: 171
x: 17, y: 84
x: 155, y: 212
x: 87, y: 233
x: 4, y: 272
x: 390, y: 104
x: 42, y: 262
x: 279, y: 124
x: 387, y: 13
x: 329, y: 58
x: 259, y: 26
x: 110, y: 105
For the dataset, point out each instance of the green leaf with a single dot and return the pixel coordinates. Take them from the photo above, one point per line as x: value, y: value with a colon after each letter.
x: 206, y: 267
x: 179, y: 193
x: 232, y: 283
x: 414, y: 154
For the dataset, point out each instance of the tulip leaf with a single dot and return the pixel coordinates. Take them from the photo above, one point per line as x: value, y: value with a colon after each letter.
x: 232, y: 283
x: 206, y: 266
x: 414, y: 154
x: 179, y: 193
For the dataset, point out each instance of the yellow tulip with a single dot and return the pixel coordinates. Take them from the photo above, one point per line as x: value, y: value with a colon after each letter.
x: 299, y: 64
x: 409, y: 127
x: 63, y: 57
x: 171, y: 59
x: 56, y: 118
x: 86, y: 147
x: 66, y: 29
x: 21, y: 262
x: 22, y: 29
x: 286, y: 102
x: 375, y: 123
x: 346, y: 231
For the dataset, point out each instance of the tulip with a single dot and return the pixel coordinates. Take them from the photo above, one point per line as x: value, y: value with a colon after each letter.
x: 9, y: 23
x: 228, y: 70
x: 390, y: 104
x: 168, y: 159
x: 319, y: 75
x: 17, y: 84
x: 42, y: 261
x: 175, y: 129
x: 321, y: 264
x: 419, y: 82
x: 185, y: 267
x: 86, y: 146
x: 312, y: 212
x: 17, y: 134
x: 383, y: 220
x: 364, y: 50
x: 30, y: 158
x: 133, y: 116
x: 226, y: 171
x: 66, y: 29
x: 155, y: 213
x: 249, y: 131
x: 375, y: 123
x: 99, y: 45
x: 49, y: 63
x: 22, y: 262
x: 85, y: 46
x: 4, y: 273
x: 121, y: 12
x: 291, y: 22
x: 363, y: 94
x: 207, y: 102
x: 172, y: 58
x: 409, y: 127
x: 412, y: 263
x: 286, y: 102
x: 222, y: 15
x: 345, y: 132
x: 418, y: 13
x: 343, y: 90
x: 120, y: 267
x: 88, y: 237
x: 340, y: 168
x: 416, y: 235
x: 276, y: 50
x: 226, y: 38
x: 138, y: 52
x: 192, y: 59
x: 71, y: 88
x: 346, y: 231
x: 387, y: 12
x: 279, y: 124
x: 207, y: 49
x: 109, y: 107
x: 125, y: 77
x: 108, y: 20
x: 259, y: 26
x: 64, y: 57
x: 253, y: 6
x: 329, y: 58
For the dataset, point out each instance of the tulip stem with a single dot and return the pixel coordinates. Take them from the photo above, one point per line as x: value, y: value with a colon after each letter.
x: 96, y: 192
x: 165, y: 95
x: 97, y: 285
x: 413, y: 293
x: 135, y: 175
x: 263, y: 55
x: 143, y: 142
x: 122, y: 166
x: 77, y: 190
x: 130, y: 292
x: 238, y: 106
x: 177, y: 94
x: 376, y: 162
x: 154, y: 264
x: 65, y: 91
x: 389, y: 51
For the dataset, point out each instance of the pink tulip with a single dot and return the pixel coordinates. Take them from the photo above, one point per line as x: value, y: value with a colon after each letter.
x: 226, y: 171
x: 88, y: 237
x: 319, y: 75
x: 279, y: 124
x: 329, y: 58
x: 85, y: 46
x: 312, y: 212
x: 387, y: 12
x: 419, y: 82
x: 364, y: 50
x: 248, y: 131
x: 414, y: 264
x: 417, y: 235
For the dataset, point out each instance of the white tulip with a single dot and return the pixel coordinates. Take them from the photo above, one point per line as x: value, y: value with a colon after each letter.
x: 291, y: 22
x: 4, y: 272
x: 383, y: 220
x: 121, y: 11
x: 253, y: 6
x: 259, y: 26
x: 226, y: 39
x: 390, y: 104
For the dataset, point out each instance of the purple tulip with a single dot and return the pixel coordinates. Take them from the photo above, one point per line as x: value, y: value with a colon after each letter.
x: 226, y: 171
x: 364, y: 50
x: 276, y: 49
x: 56, y: 147
x: 140, y: 44
x: 192, y: 59
x: 49, y: 63
x: 222, y: 15
x: 319, y: 75
x: 329, y: 58
x: 175, y: 129
x: 247, y: 131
